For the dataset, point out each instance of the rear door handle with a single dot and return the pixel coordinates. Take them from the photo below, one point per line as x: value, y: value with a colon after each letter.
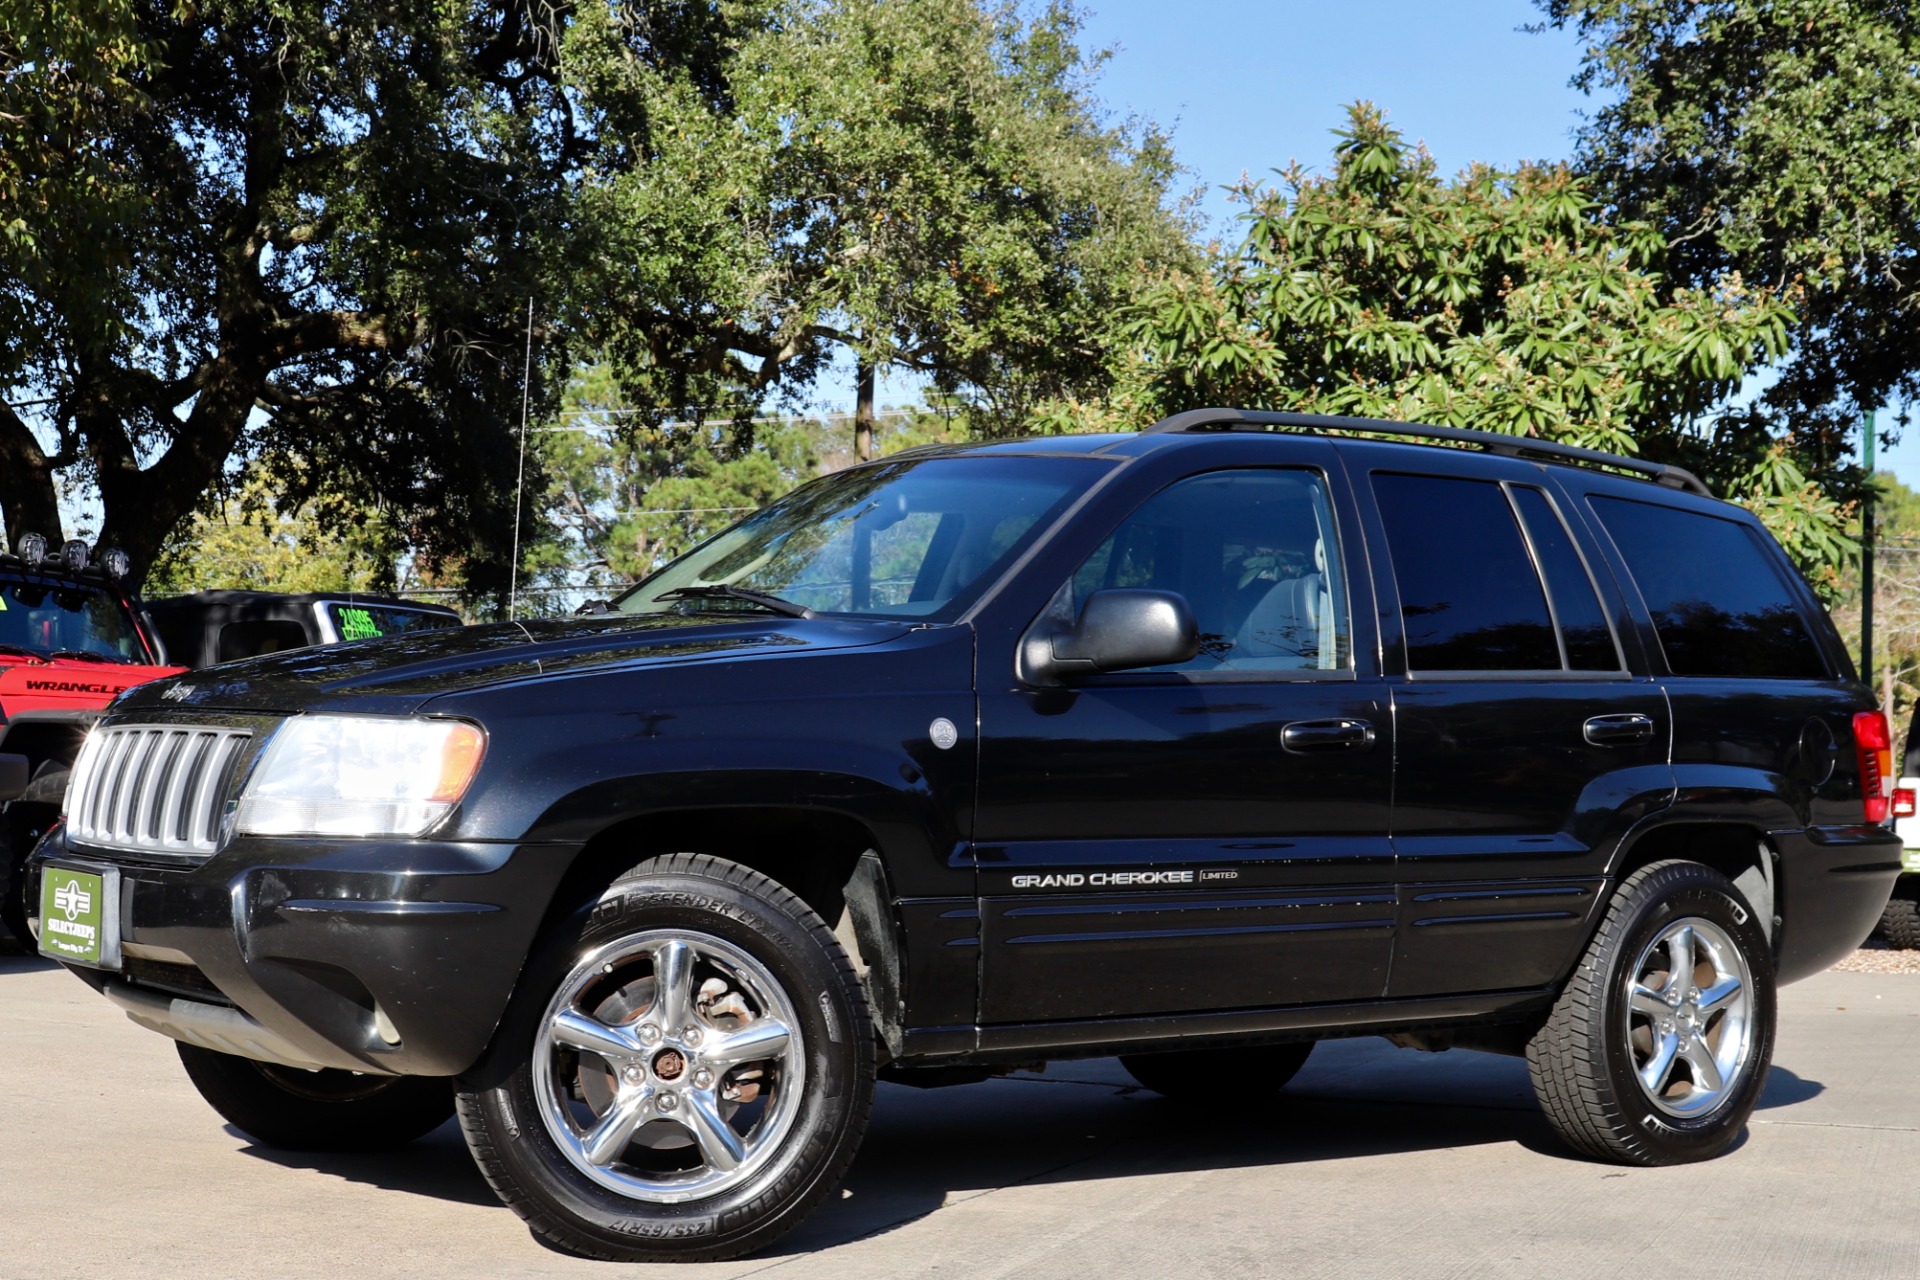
x: 1310, y: 737
x: 1619, y: 730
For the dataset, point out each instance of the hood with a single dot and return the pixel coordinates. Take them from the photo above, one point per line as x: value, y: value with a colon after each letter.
x: 67, y: 684
x: 397, y: 674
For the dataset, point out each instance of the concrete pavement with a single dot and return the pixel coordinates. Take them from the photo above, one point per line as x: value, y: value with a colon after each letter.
x: 1381, y: 1163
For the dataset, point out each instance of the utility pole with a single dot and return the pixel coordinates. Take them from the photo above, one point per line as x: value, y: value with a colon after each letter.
x: 1866, y: 554
x: 863, y: 408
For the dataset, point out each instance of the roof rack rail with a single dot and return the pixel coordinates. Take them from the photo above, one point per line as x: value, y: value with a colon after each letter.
x: 1492, y: 441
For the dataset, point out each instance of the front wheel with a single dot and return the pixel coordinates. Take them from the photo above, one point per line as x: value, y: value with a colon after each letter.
x: 684, y: 1071
x: 325, y: 1110
x: 1658, y: 1049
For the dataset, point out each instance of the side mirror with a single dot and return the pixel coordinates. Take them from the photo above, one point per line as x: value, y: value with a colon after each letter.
x: 1117, y: 630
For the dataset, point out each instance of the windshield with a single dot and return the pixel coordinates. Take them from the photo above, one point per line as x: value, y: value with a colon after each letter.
x: 917, y: 538
x: 73, y: 619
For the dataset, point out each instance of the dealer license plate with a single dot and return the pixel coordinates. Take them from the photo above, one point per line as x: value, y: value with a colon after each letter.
x: 80, y: 915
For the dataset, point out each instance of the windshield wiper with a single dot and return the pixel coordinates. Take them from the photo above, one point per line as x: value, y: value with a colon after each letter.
x: 17, y: 651
x: 724, y: 591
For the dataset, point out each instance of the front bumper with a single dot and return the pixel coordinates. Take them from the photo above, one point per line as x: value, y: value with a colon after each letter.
x: 1833, y: 884
x: 388, y: 956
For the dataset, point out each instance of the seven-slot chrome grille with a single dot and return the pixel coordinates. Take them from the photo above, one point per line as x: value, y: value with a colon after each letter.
x: 154, y: 789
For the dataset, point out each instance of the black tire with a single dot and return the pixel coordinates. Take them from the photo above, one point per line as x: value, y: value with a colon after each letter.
x: 13, y: 904
x: 620, y: 1206
x: 1900, y: 922
x: 1585, y: 1062
x: 1194, y: 1075
x: 16, y: 842
x: 300, y: 1110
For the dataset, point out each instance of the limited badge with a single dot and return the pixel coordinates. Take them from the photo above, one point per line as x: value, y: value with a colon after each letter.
x: 943, y: 734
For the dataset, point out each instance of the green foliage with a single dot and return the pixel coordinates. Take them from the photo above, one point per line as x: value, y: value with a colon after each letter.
x: 300, y: 237
x: 298, y: 241
x: 1776, y: 137
x: 246, y: 544
x: 1502, y: 301
x: 624, y: 496
x: 928, y: 185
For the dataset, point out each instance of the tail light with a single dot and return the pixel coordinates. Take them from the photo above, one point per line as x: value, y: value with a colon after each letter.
x: 1875, y: 746
x: 1903, y: 802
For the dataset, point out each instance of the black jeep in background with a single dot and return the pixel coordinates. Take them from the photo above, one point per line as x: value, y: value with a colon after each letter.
x: 1193, y: 746
x: 208, y: 627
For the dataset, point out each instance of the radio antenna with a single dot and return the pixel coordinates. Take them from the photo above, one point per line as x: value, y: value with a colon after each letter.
x: 520, y: 481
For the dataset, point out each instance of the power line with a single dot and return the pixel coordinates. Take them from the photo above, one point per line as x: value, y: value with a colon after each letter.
x: 699, y: 424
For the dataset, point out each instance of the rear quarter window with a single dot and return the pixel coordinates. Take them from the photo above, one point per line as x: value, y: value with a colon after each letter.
x: 1719, y: 595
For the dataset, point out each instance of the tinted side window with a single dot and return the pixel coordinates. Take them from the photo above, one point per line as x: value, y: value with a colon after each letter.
x: 250, y: 639
x: 1255, y: 555
x: 1469, y: 597
x: 1576, y: 606
x: 1720, y: 603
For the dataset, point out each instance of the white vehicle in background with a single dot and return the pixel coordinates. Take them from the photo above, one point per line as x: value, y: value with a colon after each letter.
x: 1901, y: 920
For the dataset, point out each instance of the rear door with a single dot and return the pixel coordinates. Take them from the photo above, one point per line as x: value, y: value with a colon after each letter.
x: 1759, y: 705
x: 1210, y: 835
x: 1524, y: 742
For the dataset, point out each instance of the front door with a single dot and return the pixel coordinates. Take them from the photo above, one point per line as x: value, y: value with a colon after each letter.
x: 1211, y: 835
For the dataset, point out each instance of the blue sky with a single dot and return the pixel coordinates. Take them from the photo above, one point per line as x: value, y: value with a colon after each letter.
x: 1248, y: 85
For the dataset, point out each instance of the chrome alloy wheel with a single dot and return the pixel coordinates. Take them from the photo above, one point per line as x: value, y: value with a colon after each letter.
x: 1689, y: 1015
x: 669, y: 1066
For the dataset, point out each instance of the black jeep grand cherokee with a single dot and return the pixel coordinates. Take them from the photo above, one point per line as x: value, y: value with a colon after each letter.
x: 1192, y: 746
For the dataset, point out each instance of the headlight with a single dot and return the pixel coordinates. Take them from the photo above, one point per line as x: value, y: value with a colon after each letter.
x: 359, y: 776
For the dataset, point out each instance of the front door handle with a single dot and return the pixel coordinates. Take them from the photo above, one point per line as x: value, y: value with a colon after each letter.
x: 1310, y: 737
x: 1627, y: 730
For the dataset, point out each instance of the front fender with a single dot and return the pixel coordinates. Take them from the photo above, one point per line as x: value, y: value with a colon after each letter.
x: 846, y: 732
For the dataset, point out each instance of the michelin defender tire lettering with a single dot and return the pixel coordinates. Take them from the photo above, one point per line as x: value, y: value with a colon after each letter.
x: 299, y: 1110
x: 692, y: 979
x: 1646, y: 1058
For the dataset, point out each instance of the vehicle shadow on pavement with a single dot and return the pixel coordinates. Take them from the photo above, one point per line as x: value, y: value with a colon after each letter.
x: 437, y: 1166
x: 1784, y: 1089
x: 1081, y: 1121
x: 1085, y: 1121
x: 19, y: 962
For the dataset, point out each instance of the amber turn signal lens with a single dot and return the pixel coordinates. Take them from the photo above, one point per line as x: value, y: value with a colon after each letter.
x: 459, y: 759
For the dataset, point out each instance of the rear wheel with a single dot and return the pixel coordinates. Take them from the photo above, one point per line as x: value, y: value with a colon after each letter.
x: 1193, y: 1075
x: 1900, y: 922
x: 326, y: 1110
x: 1657, y: 1050
x: 684, y: 1072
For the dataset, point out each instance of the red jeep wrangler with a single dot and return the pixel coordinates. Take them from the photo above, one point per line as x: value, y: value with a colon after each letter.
x: 71, y: 638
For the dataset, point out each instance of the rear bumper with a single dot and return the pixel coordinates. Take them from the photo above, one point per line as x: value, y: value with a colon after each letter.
x: 395, y: 957
x: 1833, y: 884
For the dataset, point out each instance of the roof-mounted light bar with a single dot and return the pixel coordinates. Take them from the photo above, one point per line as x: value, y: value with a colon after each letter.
x: 73, y: 557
